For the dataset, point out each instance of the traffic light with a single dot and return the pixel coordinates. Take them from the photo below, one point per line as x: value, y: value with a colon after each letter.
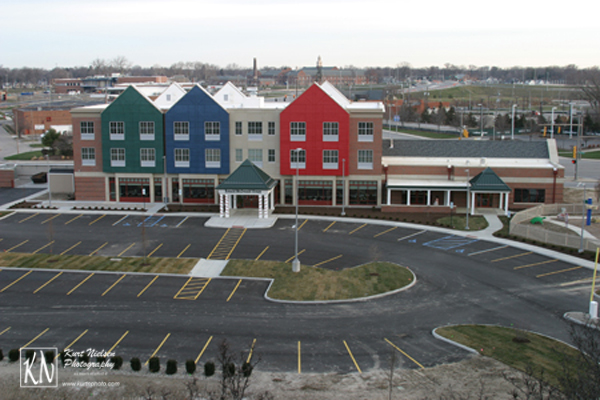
x: 574, y: 152
x: 574, y: 161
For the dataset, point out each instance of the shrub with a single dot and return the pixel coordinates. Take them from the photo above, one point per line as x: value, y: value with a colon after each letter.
x: 209, y: 369
x: 1, y: 355
x: 171, y: 367
x: 29, y: 354
x: 49, y: 356
x: 247, y: 369
x: 154, y: 364
x: 228, y: 370
x: 84, y: 358
x: 136, y: 364
x: 13, y: 355
x: 117, y: 361
x: 190, y: 366
x: 100, y: 359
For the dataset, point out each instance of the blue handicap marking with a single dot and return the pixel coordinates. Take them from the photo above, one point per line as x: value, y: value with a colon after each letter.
x: 460, y: 251
x: 163, y: 225
x: 126, y: 224
x: 413, y: 241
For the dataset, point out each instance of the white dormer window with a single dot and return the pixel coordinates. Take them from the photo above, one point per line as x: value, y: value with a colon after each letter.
x: 225, y: 97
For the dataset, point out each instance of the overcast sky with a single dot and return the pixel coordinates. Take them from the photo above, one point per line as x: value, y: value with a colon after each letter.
x: 66, y: 33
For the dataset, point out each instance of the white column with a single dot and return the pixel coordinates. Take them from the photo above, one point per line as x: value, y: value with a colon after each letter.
x: 221, y: 205
x: 506, y: 204
x: 501, y: 201
x: 227, y: 205
x: 117, y: 191
x: 234, y: 205
x: 472, y: 203
x: 408, y: 197
x: 428, y: 197
x: 272, y: 199
x: 447, y: 200
x: 260, y: 206
x: 389, y: 197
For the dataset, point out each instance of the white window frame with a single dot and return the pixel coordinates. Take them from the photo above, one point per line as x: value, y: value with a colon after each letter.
x: 148, y: 157
x: 330, y: 159
x: 300, y: 162
x: 182, y: 158
x: 297, y: 131
x: 239, y: 155
x: 116, y: 130
x: 365, y: 159
x: 146, y: 130
x: 212, y: 130
x: 86, y: 128
x: 117, y: 157
x: 181, y: 130
x: 271, y: 128
x: 271, y: 155
x: 88, y: 156
x: 255, y: 130
x: 365, y: 131
x: 212, y: 158
x: 256, y: 156
x: 331, y: 131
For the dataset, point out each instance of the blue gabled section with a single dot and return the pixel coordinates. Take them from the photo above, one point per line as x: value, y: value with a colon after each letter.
x: 197, y: 108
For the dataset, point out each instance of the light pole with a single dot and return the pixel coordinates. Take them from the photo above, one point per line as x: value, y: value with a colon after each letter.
x: 582, y: 215
x: 468, y: 199
x: 552, y: 126
x: 48, y: 180
x: 296, y: 262
x: 512, y: 127
x: 344, y: 186
x: 166, y: 185
x: 481, y: 119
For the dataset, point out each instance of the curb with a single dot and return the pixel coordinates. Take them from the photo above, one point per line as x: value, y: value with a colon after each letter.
x: 569, y: 316
x: 452, y: 342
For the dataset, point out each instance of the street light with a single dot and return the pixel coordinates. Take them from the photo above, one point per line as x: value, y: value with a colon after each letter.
x: 512, y: 128
x: 468, y: 198
x: 582, y: 215
x: 481, y: 119
x: 296, y: 262
x: 344, y: 185
x: 552, y: 128
x: 48, y: 180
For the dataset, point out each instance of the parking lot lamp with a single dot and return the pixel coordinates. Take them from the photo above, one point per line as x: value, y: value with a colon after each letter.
x: 552, y: 126
x: 48, y: 180
x: 512, y: 121
x: 296, y: 262
x: 468, y: 199
x: 344, y: 186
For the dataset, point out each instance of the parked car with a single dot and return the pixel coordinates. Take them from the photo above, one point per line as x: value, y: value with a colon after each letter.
x: 40, y: 177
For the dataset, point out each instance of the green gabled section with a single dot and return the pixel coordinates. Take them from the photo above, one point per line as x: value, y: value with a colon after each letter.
x: 130, y: 108
x: 488, y: 181
x: 248, y: 177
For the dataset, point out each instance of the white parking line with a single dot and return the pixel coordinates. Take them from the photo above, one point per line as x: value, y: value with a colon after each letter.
x: 409, y: 236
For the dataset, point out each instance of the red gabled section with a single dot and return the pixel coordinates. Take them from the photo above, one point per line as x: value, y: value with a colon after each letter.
x: 314, y: 107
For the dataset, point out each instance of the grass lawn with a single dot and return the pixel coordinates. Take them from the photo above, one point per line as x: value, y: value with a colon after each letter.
x: 589, y: 155
x: 459, y: 222
x: 322, y: 284
x: 497, y: 342
x: 98, y: 263
x: 25, y: 156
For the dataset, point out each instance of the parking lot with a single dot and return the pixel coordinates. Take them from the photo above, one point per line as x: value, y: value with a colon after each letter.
x: 459, y: 279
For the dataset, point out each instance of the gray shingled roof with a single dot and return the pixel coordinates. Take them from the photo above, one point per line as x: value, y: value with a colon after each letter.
x: 466, y: 148
x: 248, y: 177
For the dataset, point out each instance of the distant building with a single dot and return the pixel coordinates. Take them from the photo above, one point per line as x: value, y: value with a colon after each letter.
x: 93, y: 84
x: 37, y: 120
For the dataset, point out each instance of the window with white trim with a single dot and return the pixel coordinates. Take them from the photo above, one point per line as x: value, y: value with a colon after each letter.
x: 238, y: 128
x: 298, y: 159
x: 256, y: 156
x: 365, y: 131
x: 271, y: 155
x: 331, y: 131
x: 330, y: 159
x: 254, y: 130
x: 87, y: 130
x: 212, y: 130
x: 239, y: 155
x: 146, y: 130
x: 181, y: 130
x: 182, y: 158
x: 117, y: 157
x: 365, y: 159
x: 271, y: 128
x: 298, y: 131
x: 148, y: 157
x: 116, y: 130
x: 212, y: 158
x: 88, y: 156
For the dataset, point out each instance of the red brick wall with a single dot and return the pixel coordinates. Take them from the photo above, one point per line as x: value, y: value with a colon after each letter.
x: 78, y: 144
x: 7, y: 178
x: 27, y: 119
x: 89, y: 189
x: 375, y: 145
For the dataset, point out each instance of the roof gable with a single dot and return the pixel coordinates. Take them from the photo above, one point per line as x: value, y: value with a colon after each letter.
x: 170, y: 96
x: 131, y: 96
x: 314, y: 96
x: 248, y: 177
x: 197, y: 96
x: 488, y: 181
